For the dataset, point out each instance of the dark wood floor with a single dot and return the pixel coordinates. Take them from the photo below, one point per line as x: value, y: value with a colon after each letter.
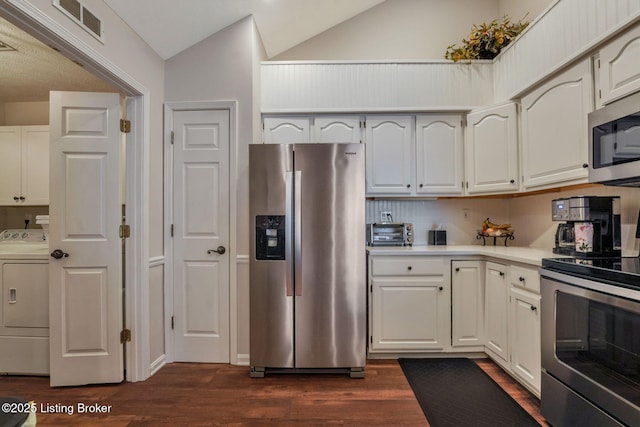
x: 187, y: 394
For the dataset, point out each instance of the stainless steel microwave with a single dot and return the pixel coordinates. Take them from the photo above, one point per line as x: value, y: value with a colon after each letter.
x: 614, y: 143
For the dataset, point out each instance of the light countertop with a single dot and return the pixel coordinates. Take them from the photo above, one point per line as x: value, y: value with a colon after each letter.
x: 521, y: 254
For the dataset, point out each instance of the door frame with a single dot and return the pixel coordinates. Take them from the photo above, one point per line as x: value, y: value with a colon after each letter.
x: 169, y: 109
x: 136, y: 306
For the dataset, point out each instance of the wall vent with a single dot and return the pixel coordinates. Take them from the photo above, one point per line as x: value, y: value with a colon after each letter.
x: 81, y: 16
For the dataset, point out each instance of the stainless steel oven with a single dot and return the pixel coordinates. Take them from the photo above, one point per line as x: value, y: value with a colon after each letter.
x: 590, y: 345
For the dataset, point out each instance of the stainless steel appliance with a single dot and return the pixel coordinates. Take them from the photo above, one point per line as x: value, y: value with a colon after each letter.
x: 590, y: 319
x: 614, y: 143
x: 308, y: 271
x: 390, y: 234
x: 599, y: 215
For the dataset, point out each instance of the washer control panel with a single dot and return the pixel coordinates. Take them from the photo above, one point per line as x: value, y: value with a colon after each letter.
x: 21, y: 236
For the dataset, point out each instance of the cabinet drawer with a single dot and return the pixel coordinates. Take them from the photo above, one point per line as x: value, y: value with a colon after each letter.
x: 527, y: 278
x: 402, y: 265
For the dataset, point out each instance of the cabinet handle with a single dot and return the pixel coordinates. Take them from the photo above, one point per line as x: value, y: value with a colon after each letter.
x: 421, y: 185
x: 585, y: 165
x: 457, y: 268
x: 409, y: 268
x: 513, y: 181
x: 408, y: 185
x: 440, y: 288
x: 534, y: 308
x: 501, y: 273
x: 521, y: 279
x: 21, y: 197
x: 16, y: 198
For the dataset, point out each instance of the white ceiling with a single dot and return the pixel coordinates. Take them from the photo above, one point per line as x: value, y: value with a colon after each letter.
x: 30, y: 71
x: 179, y: 24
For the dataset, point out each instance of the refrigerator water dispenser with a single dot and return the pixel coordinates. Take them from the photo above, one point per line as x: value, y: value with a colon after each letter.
x: 270, y: 237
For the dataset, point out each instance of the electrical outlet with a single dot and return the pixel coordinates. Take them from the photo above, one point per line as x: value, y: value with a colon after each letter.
x: 466, y: 214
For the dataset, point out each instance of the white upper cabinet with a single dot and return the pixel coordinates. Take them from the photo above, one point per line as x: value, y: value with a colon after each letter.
x: 554, y: 129
x: 24, y: 176
x: 287, y: 130
x: 439, y: 161
x: 491, y: 148
x: 390, y: 152
x: 337, y: 129
x: 620, y: 66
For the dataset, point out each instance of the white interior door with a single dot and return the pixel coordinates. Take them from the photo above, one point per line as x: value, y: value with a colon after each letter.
x: 86, y: 282
x: 201, y: 235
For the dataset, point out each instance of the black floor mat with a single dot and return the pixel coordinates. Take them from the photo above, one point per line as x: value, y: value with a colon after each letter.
x: 457, y: 392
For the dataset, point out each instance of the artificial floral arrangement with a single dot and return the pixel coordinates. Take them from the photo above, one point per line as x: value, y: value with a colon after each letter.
x: 486, y: 41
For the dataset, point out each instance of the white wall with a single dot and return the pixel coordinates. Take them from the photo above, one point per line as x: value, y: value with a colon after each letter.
x: 397, y: 29
x: 25, y: 113
x: 517, y: 9
x: 408, y: 29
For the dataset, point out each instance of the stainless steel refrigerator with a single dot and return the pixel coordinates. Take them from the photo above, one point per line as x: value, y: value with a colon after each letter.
x: 308, y: 273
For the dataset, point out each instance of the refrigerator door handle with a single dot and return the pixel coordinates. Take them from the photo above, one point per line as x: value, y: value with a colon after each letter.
x: 288, y: 224
x: 297, y: 212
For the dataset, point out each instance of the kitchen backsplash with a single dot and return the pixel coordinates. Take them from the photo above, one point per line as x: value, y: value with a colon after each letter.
x: 530, y: 216
x: 14, y: 216
x: 447, y: 214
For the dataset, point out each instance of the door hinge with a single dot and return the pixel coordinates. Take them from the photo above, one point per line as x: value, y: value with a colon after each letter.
x: 600, y: 93
x: 171, y: 230
x: 172, y: 322
x: 125, y: 126
x: 125, y: 336
x: 464, y: 122
x: 598, y: 63
x: 371, y: 339
x: 125, y: 231
x: 173, y: 135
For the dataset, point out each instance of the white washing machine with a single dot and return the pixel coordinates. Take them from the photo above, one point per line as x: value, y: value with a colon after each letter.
x: 24, y: 312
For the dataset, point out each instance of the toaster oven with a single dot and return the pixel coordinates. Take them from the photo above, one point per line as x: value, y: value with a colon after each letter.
x: 390, y: 234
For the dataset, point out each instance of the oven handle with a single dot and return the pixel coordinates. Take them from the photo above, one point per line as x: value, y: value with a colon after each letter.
x: 617, y: 291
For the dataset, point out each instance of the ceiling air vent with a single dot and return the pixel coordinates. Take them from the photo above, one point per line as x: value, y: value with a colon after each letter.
x: 82, y: 16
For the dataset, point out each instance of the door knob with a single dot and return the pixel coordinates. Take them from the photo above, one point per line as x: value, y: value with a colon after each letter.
x: 58, y: 254
x: 219, y: 249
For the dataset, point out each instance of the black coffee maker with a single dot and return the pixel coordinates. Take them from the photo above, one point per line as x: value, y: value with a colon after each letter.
x: 591, y: 226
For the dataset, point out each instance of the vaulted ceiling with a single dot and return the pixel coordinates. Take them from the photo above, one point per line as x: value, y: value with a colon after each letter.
x: 31, y: 69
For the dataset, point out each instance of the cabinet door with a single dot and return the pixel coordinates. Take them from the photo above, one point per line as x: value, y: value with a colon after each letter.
x: 492, y: 150
x: 390, y: 152
x: 35, y: 165
x: 337, y: 129
x: 496, y: 310
x: 525, y: 337
x: 10, y: 153
x: 286, y: 130
x: 619, y: 66
x: 467, y: 303
x: 409, y: 314
x: 439, y: 154
x: 554, y: 129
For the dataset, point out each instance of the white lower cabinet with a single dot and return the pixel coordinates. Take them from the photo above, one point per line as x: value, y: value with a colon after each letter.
x: 467, y: 304
x: 524, y: 324
x: 409, y: 303
x: 496, y: 313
